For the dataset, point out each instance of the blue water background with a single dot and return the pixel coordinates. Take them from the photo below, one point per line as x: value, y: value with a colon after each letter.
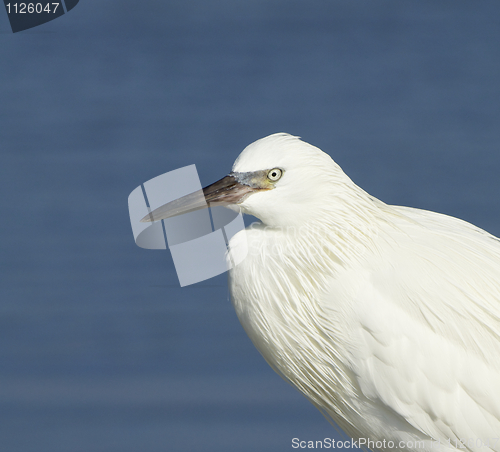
x: 100, y: 349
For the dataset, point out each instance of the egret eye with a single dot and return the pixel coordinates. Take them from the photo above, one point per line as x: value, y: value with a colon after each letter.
x: 274, y: 174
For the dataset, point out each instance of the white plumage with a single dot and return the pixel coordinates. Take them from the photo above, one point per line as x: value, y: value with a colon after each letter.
x: 386, y: 318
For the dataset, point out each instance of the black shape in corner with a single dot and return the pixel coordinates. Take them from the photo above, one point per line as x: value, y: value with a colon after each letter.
x: 70, y: 4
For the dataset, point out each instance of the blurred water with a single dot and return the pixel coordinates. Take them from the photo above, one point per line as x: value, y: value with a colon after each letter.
x: 99, y: 348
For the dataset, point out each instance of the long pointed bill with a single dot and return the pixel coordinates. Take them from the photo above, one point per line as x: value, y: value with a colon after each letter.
x: 226, y: 191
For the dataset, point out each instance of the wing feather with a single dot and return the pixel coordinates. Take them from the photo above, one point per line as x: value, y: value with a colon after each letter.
x: 424, y: 326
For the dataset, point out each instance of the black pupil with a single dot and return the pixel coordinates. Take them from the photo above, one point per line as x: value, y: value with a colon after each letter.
x: 274, y: 173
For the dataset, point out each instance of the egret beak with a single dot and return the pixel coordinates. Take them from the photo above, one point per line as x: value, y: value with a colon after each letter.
x: 231, y: 189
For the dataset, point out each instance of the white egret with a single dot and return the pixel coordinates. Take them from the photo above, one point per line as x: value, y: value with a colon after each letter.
x: 386, y: 318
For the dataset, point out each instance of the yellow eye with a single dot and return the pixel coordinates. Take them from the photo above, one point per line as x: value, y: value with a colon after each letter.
x: 274, y: 174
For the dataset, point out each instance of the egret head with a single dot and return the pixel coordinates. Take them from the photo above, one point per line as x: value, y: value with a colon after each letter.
x: 295, y: 178
x: 279, y: 179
